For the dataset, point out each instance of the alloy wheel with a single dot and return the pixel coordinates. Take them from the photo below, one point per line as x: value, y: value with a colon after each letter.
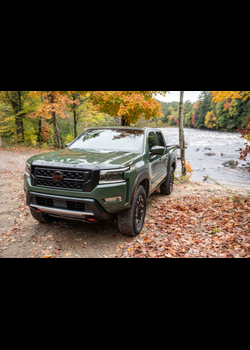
x: 139, y: 213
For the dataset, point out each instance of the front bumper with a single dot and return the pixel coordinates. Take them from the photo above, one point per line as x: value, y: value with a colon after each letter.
x: 58, y: 206
x: 98, y: 195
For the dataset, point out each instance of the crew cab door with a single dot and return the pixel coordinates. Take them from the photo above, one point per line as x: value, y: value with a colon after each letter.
x: 157, y: 168
x: 165, y: 156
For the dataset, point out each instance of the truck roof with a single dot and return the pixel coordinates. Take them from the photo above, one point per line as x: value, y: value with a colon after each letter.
x: 122, y: 127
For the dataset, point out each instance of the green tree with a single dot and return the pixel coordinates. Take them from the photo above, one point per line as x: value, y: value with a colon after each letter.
x: 15, y: 99
x: 202, y: 109
x: 15, y: 106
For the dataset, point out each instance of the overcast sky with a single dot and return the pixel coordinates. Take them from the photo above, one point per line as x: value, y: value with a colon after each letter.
x: 175, y: 96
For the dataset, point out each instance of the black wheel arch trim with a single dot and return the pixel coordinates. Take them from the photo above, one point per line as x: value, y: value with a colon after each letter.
x: 173, y: 160
x: 142, y: 176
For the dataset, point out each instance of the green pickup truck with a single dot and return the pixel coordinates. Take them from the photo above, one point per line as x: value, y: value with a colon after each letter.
x: 105, y: 173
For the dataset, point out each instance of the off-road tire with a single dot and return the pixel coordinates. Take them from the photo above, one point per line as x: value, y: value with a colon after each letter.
x: 167, y: 186
x: 43, y: 218
x: 130, y: 222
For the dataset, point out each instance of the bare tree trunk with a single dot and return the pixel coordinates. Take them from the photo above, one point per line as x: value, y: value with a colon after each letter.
x: 75, y: 116
x: 55, y: 126
x: 15, y: 99
x: 121, y: 121
x: 56, y: 131
x: 1, y: 145
x: 19, y: 127
x: 19, y: 123
x: 75, y: 123
x: 40, y: 126
x: 118, y: 121
x: 124, y: 122
x: 40, y: 130
x: 181, y: 135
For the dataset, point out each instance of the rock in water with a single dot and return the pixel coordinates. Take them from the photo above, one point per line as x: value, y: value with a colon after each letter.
x: 232, y: 162
x: 210, y: 154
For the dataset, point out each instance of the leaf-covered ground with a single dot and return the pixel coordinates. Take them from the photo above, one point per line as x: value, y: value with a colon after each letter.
x: 196, y: 220
x: 194, y: 226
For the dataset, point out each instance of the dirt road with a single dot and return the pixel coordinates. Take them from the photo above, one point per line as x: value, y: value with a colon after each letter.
x: 23, y: 237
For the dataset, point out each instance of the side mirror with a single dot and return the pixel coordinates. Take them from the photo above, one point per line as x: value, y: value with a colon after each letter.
x: 158, y: 150
x: 67, y: 144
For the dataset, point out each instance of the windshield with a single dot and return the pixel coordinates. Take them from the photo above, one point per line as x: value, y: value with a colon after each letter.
x: 125, y: 140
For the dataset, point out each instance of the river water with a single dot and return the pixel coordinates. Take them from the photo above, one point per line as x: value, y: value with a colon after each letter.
x: 219, y: 142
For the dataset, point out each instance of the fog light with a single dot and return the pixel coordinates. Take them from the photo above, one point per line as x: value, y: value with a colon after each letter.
x: 113, y: 199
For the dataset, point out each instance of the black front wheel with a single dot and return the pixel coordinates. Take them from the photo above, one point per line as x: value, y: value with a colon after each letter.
x: 130, y: 222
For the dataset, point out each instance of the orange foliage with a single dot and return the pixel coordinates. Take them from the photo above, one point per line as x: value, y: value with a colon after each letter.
x: 130, y: 105
x: 196, y: 104
x: 53, y: 101
x: 189, y: 170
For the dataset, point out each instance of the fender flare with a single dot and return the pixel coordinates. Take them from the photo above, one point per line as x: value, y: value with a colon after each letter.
x: 172, y: 160
x: 142, y: 176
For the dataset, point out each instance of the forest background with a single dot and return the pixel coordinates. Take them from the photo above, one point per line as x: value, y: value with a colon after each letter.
x: 26, y: 118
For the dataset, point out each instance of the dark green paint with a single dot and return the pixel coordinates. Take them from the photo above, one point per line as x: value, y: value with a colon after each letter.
x: 157, y: 166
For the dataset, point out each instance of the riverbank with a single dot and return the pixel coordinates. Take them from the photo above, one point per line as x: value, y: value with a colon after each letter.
x: 223, y: 147
x: 197, y: 220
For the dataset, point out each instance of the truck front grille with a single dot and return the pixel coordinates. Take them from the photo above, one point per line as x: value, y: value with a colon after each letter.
x: 72, y: 180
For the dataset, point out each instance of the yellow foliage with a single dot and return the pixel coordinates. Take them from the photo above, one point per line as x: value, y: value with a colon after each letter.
x: 219, y: 96
x: 69, y: 138
x: 210, y: 120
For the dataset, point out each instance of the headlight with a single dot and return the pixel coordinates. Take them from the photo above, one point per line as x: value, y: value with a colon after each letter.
x: 112, y: 176
x: 27, y: 169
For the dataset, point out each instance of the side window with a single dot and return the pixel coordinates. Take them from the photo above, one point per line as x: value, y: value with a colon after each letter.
x: 160, y: 140
x: 151, y: 140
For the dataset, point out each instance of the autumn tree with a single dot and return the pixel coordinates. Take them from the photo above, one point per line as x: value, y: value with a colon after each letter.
x: 228, y: 96
x: 55, y: 103
x: 129, y: 105
x: 83, y: 109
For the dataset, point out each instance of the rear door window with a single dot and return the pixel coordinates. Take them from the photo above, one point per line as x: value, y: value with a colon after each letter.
x: 160, y: 139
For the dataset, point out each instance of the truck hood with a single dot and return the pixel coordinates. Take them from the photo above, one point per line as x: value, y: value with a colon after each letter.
x: 101, y: 158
